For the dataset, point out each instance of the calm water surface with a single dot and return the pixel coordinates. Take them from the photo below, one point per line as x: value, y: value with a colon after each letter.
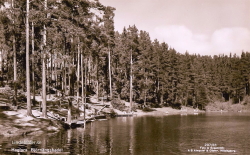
x: 153, y: 135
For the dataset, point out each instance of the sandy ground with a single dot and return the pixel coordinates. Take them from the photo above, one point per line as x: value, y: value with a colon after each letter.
x: 169, y: 111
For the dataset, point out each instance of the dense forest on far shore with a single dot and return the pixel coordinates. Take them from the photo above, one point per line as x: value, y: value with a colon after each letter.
x: 72, y: 45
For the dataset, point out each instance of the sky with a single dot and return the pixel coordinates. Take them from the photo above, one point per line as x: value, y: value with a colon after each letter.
x: 205, y: 27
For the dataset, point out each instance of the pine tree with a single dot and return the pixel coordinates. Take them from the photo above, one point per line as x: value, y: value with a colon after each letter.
x: 29, y: 112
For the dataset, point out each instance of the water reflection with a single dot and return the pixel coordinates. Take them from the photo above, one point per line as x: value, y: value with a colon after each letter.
x: 223, y: 130
x: 150, y: 135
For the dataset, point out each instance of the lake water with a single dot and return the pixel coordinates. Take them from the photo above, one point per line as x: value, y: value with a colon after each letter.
x: 209, y: 133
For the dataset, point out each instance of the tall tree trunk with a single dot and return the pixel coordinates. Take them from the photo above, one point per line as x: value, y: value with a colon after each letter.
x: 69, y: 112
x: 64, y: 67
x: 158, y: 90
x: 85, y: 82
x: 69, y: 92
x: 33, y: 66
x: 50, y: 73
x: 15, y: 71
x: 29, y: 112
x: 65, y: 78
x: 145, y: 93
x: 83, y: 99
x: 14, y: 58
x: 78, y: 72
x: 61, y: 78
x: 131, y: 82
x: 110, y: 82
x: 1, y: 62
x: 7, y: 68
x: 55, y: 73
x: 97, y: 80
x: 161, y: 95
x: 44, y: 110
x: 89, y: 69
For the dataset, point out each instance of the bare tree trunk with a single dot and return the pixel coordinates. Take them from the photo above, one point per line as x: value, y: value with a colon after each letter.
x: 69, y: 112
x: 161, y: 95
x: 83, y: 91
x: 15, y: 71
x: 69, y: 93
x: 65, y: 78
x: 61, y: 78
x: 145, y: 93
x: 44, y: 110
x: 1, y: 62
x: 97, y: 80
x: 131, y: 82
x: 14, y: 59
x: 78, y: 72
x: 158, y: 90
x: 55, y: 75
x: 85, y: 83
x: 89, y: 69
x: 29, y: 112
x: 50, y: 73
x: 33, y: 67
x: 110, y: 82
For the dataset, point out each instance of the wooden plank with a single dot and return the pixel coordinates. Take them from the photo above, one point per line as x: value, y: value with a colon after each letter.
x: 124, y: 115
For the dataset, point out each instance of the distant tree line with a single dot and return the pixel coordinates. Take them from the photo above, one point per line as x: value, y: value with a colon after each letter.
x: 73, y: 47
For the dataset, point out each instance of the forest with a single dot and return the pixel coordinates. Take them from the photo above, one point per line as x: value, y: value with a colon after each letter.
x: 71, y: 47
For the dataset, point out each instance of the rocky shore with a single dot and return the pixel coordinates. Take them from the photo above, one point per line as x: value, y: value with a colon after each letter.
x: 16, y: 123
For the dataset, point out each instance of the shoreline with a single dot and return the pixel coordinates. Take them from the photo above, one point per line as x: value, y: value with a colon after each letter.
x: 168, y: 111
x: 16, y: 123
x: 190, y: 111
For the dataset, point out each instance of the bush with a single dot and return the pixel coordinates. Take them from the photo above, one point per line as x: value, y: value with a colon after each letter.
x: 117, y: 104
x: 35, y: 102
x: 156, y: 106
x: 51, y: 91
x: 147, y: 109
x: 53, y: 103
x: 176, y: 106
x: 21, y: 98
x: 246, y: 100
x: 134, y: 108
x: 2, y: 84
x: 225, y: 106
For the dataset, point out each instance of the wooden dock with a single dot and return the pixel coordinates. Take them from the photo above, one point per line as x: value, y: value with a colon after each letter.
x: 125, y: 115
x: 80, y: 121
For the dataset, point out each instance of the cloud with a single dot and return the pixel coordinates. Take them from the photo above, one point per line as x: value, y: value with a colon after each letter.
x: 231, y: 40
x: 222, y: 41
